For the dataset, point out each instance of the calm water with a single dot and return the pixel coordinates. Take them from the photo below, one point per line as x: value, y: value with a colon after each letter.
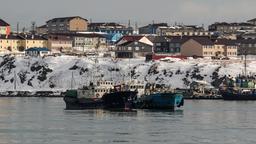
x: 44, y: 121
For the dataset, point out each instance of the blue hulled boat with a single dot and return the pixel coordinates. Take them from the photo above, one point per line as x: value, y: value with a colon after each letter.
x: 162, y: 100
x: 160, y: 97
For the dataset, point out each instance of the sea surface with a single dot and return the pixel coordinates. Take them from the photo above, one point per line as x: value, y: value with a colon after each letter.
x: 45, y: 121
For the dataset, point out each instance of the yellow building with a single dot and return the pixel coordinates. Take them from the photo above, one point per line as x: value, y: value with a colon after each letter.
x: 15, y: 43
x: 11, y: 43
x: 30, y: 41
x: 204, y: 47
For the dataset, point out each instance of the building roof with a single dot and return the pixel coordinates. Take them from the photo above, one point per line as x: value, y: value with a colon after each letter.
x: 130, y: 42
x: 155, y: 25
x: 37, y: 49
x: 231, y: 24
x: 32, y: 37
x: 246, y: 41
x: 225, y: 42
x: 130, y: 38
x: 87, y: 35
x: 11, y: 36
x: 203, y: 40
x: 105, y: 24
x: 42, y: 26
x: 252, y: 20
x: 156, y: 39
x: 62, y: 19
x: 3, y: 23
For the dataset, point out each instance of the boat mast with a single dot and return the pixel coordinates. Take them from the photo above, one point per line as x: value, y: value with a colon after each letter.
x: 245, y: 62
x: 130, y: 70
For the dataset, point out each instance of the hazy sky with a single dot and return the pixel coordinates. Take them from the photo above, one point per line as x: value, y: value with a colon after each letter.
x: 143, y: 11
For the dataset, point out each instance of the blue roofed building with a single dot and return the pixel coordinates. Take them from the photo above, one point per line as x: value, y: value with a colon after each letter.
x: 37, y: 52
x: 113, y: 31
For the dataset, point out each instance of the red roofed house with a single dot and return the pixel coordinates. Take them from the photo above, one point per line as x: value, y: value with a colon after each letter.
x: 5, y: 28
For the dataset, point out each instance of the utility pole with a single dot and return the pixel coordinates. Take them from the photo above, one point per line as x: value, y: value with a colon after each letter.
x: 15, y: 81
x: 72, y: 80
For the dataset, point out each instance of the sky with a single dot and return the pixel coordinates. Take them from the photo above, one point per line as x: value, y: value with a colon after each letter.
x: 196, y: 12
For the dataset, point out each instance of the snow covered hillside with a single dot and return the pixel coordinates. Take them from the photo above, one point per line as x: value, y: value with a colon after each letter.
x: 55, y: 73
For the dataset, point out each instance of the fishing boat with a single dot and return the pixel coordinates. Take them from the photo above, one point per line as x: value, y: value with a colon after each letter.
x: 201, y: 90
x: 242, y: 87
x: 121, y: 97
x: 239, y: 88
x: 87, y: 97
x: 160, y: 97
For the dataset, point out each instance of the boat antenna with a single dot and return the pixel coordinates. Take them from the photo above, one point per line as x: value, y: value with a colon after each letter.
x: 130, y: 70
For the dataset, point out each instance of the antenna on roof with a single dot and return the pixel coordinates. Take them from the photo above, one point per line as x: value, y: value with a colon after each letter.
x: 18, y: 26
x: 23, y: 30
x: 90, y: 20
x: 153, y: 22
x: 33, y: 27
x: 129, y: 23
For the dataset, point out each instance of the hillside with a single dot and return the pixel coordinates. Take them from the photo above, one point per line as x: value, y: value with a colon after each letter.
x: 55, y: 73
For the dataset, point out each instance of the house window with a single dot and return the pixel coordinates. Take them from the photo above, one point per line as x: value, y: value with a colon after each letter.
x: 177, y: 45
x: 136, y: 43
x: 137, y: 48
x: 158, y: 44
x: 129, y: 48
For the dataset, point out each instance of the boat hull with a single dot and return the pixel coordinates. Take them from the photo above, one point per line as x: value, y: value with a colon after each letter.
x: 238, y: 96
x: 162, y: 101
x: 73, y: 103
x: 120, y: 100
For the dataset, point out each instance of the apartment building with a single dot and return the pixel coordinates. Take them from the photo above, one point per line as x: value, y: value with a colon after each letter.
x: 67, y: 24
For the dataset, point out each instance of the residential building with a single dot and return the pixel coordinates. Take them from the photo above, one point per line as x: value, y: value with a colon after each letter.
x: 161, y: 44
x: 133, y: 46
x: 42, y: 29
x: 182, y: 30
x: 225, y: 48
x: 30, y: 40
x: 246, y: 46
x: 151, y: 28
x: 252, y: 21
x: 205, y: 47
x: 60, y: 42
x: 67, y: 24
x: 113, y: 31
x: 248, y: 36
x: 88, y: 41
x: 11, y: 43
x: 231, y: 27
x: 5, y: 28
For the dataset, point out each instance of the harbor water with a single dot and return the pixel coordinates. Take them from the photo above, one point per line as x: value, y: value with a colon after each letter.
x: 44, y: 121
